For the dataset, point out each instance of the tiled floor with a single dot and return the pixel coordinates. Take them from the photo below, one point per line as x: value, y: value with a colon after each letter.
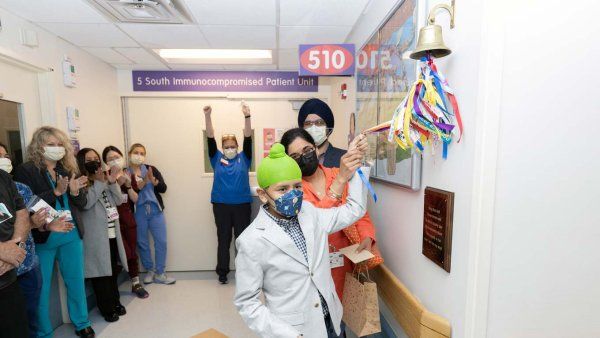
x: 194, y: 304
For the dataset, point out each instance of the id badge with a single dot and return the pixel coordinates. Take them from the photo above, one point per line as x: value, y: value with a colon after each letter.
x: 124, y: 198
x: 112, y: 213
x: 225, y: 162
x: 5, y: 215
x: 336, y: 259
x: 66, y: 214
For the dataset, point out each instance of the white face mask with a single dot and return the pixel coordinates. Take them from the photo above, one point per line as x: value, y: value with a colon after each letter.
x: 319, y: 134
x: 119, y: 163
x: 230, y: 153
x: 54, y: 153
x: 6, y: 164
x: 137, y: 159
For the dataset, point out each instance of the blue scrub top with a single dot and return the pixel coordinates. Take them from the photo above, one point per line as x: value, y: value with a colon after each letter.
x: 231, y: 183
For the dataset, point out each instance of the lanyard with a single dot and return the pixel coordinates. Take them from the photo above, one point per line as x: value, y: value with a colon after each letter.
x: 65, y: 201
x: 367, y: 184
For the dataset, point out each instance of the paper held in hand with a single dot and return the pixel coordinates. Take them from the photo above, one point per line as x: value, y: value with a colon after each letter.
x: 356, y: 257
x: 36, y: 203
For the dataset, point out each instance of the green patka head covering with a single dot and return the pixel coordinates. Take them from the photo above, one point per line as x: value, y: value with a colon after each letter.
x: 277, y: 167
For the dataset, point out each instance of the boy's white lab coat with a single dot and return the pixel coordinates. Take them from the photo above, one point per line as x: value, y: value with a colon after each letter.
x: 269, y: 261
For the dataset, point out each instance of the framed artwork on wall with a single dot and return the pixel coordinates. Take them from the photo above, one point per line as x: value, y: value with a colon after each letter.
x: 384, y: 76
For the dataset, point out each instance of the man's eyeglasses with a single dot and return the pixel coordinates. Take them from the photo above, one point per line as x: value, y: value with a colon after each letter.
x: 308, y: 150
x: 318, y: 123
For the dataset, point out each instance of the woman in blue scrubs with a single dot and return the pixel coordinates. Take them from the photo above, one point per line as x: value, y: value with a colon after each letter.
x: 149, y: 216
x: 230, y: 195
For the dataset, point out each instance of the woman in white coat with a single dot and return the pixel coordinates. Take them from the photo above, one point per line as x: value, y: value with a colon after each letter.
x: 103, y: 246
x: 284, y: 253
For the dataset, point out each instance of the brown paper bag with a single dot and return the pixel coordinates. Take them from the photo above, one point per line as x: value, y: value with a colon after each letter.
x: 361, y: 305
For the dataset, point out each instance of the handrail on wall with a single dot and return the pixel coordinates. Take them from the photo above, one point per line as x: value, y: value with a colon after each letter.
x: 415, y: 319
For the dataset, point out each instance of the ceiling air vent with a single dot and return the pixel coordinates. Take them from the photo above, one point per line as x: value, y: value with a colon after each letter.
x: 144, y: 11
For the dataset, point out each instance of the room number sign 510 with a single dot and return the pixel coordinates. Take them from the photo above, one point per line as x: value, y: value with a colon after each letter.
x: 326, y: 60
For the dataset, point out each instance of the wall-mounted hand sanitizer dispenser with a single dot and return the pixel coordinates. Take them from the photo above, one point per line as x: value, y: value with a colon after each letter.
x: 73, y: 119
x: 68, y: 72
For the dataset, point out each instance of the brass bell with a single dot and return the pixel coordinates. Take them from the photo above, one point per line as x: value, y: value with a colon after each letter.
x: 430, y: 40
x: 430, y: 37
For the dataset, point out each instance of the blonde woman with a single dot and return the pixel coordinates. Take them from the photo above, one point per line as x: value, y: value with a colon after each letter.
x: 52, y: 174
x: 149, y: 184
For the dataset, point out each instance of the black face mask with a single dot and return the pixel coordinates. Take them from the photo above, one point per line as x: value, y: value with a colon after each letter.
x: 92, y: 166
x: 308, y: 163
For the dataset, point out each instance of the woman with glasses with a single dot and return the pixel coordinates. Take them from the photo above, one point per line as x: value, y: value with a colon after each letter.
x: 230, y: 195
x: 113, y: 157
x: 328, y: 188
x: 317, y: 119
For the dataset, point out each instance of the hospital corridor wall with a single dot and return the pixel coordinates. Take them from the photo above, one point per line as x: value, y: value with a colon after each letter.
x: 32, y: 78
x: 172, y: 129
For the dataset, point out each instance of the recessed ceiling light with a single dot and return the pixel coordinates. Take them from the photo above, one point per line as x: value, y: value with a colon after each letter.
x: 217, y: 56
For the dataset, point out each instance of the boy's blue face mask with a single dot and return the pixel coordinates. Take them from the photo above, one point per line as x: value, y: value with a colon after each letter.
x: 289, y: 204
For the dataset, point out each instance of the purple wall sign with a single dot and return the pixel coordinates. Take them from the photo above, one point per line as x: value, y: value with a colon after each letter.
x: 213, y: 81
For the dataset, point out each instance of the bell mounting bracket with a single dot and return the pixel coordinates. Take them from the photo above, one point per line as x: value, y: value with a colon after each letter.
x: 450, y: 8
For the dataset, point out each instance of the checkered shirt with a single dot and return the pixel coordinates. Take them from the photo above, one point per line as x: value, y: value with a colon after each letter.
x: 291, y: 226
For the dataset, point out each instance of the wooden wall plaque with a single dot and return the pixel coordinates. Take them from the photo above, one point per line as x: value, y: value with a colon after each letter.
x: 437, y: 226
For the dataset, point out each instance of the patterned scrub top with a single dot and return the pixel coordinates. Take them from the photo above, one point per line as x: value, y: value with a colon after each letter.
x: 31, y: 259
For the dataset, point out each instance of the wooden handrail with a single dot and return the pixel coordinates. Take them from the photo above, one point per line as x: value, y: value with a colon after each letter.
x: 415, y: 319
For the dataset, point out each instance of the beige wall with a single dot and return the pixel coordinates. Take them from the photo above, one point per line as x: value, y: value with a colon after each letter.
x: 341, y: 109
x: 170, y: 124
x: 171, y: 129
x: 42, y: 93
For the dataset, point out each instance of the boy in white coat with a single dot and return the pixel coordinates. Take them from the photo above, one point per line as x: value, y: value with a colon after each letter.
x: 284, y: 253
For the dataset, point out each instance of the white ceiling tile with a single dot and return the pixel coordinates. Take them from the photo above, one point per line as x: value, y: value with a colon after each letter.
x: 321, y: 13
x: 288, y: 58
x: 166, y: 36
x: 233, y: 12
x: 90, y: 35
x: 250, y: 67
x: 139, y: 56
x: 236, y: 37
x: 292, y: 36
x: 139, y: 67
x: 109, y: 55
x: 64, y: 11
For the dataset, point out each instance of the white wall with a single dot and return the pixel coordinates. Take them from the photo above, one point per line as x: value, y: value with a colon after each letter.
x: 398, y: 215
x: 96, y: 93
x: 545, y: 279
x: 517, y: 69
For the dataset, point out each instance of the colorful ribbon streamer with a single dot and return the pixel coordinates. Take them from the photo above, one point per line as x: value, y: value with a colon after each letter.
x: 427, y: 115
